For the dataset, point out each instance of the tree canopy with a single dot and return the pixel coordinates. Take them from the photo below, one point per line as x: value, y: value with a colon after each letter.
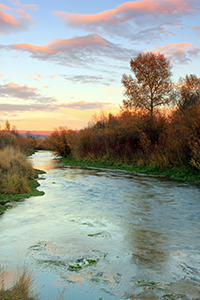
x: 152, y: 84
x: 188, y: 91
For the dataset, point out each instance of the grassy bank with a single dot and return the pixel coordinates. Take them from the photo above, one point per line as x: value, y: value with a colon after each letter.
x: 32, y: 185
x: 178, y: 174
x: 17, y: 177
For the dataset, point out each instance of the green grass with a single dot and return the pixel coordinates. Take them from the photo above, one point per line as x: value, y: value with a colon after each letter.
x: 182, y: 174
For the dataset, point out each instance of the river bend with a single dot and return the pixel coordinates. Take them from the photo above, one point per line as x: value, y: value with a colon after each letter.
x: 105, y: 234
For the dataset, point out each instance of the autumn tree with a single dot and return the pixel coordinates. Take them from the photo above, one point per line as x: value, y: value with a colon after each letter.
x: 58, y: 142
x: 7, y: 126
x: 188, y: 91
x: 152, y: 83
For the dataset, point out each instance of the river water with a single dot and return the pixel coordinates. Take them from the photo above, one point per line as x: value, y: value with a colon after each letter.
x: 132, y: 236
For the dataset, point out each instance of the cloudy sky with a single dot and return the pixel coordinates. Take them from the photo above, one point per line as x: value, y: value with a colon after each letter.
x: 62, y: 61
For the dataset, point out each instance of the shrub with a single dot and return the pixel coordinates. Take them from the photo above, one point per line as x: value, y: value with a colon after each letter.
x: 58, y: 142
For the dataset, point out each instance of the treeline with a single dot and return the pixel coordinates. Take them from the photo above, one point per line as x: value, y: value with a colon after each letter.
x: 166, y: 139
x: 142, y: 134
x: 11, y: 138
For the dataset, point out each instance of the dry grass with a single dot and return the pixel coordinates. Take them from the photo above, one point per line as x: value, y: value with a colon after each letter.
x: 15, y: 170
x: 22, y: 288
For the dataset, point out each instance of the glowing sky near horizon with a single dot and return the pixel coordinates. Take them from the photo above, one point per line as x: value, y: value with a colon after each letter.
x: 62, y: 61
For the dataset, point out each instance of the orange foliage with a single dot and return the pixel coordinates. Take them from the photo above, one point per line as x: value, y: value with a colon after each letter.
x: 152, y: 85
x: 136, y: 138
x: 26, y: 143
x: 58, y: 142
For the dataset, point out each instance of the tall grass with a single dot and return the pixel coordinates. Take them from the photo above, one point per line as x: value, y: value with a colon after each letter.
x: 15, y: 171
x: 22, y: 288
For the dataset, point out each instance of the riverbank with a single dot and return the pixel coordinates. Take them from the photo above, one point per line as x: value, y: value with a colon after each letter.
x: 184, y: 174
x: 135, y: 240
x: 17, y: 177
x: 32, y: 186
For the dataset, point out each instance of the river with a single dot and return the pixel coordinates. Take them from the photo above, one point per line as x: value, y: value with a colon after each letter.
x: 105, y: 234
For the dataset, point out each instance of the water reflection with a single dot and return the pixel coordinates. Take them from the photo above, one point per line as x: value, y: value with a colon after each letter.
x: 147, y: 248
x: 135, y: 227
x: 45, y: 160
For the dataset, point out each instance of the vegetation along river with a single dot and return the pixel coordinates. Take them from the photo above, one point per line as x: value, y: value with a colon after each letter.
x: 105, y: 234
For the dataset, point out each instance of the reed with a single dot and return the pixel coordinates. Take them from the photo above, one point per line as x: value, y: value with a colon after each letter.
x: 22, y: 288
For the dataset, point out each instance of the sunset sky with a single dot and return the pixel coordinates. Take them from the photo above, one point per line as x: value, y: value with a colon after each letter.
x: 62, y: 61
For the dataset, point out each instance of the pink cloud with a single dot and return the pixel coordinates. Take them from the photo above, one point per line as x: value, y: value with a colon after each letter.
x: 16, y: 108
x: 125, y: 18
x: 3, y: 7
x: 35, y: 76
x: 8, y: 23
x: 179, y: 53
x: 24, y: 6
x: 22, y: 13
x: 75, y: 51
x: 170, y: 47
x: 127, y: 11
x: 14, y: 90
x: 46, y: 49
x: 16, y: 86
x: 196, y: 28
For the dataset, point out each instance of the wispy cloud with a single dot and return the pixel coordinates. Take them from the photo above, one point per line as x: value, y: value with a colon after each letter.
x: 130, y: 18
x: 17, y: 108
x: 82, y: 105
x: 181, y: 53
x: 10, y: 23
x: 53, y: 76
x: 75, y: 52
x: 91, y: 79
x: 13, y: 90
x: 91, y: 50
x: 196, y: 28
x: 35, y: 76
x: 24, y: 6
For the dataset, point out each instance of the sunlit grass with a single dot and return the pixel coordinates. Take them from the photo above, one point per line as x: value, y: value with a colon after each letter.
x: 16, y: 177
x: 15, y: 170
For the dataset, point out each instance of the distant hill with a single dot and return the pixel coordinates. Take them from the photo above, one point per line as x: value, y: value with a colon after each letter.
x: 35, y: 132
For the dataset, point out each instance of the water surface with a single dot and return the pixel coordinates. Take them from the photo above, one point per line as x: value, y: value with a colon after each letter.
x: 142, y: 231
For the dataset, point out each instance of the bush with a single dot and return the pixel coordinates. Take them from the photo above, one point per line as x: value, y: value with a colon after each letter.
x: 58, y: 142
